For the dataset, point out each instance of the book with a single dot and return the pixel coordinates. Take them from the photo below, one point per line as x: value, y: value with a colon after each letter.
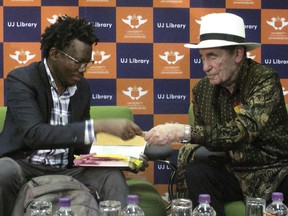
x: 111, y: 151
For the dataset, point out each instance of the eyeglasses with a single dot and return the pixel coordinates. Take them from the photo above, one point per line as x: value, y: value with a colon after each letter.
x: 81, y: 65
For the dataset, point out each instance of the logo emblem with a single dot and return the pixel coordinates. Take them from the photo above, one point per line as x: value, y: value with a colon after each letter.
x: 22, y: 57
x: 277, y: 23
x: 99, y: 56
x: 134, y: 21
x: 135, y: 92
x: 171, y: 57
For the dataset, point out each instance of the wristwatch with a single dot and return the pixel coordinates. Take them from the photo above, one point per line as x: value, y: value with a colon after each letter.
x: 187, y: 134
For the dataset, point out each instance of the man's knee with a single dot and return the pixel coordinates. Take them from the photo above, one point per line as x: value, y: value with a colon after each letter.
x: 10, y: 172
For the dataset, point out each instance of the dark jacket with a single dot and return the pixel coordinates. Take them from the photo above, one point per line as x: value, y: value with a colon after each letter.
x: 29, y: 104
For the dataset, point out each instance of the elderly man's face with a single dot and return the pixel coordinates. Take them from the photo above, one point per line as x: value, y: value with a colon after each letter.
x: 221, y: 66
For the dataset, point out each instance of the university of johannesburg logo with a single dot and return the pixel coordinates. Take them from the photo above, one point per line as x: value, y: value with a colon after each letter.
x: 249, y: 55
x: 284, y: 91
x: 135, y: 92
x: 171, y: 57
x: 22, y: 57
x: 134, y: 21
x: 278, y: 23
x: 53, y: 19
x: 99, y: 56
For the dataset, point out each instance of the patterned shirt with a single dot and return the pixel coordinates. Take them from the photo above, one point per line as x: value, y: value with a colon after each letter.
x: 60, y: 115
x: 251, y: 125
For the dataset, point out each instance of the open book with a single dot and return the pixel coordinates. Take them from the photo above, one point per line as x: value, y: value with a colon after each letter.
x: 111, y: 151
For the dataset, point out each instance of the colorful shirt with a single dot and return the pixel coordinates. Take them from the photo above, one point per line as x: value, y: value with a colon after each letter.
x: 251, y: 125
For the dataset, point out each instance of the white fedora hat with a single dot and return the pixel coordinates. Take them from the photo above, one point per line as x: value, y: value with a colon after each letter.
x: 222, y: 29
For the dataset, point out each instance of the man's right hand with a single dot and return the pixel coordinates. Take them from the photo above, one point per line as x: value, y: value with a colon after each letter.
x: 123, y: 128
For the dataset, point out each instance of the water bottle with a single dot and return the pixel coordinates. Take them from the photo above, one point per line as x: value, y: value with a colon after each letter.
x: 204, y: 208
x: 65, y: 207
x: 132, y: 208
x: 277, y: 207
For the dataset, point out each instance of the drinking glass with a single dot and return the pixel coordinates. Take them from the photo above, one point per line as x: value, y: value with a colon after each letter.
x: 110, y: 208
x: 181, y: 207
x: 255, y: 207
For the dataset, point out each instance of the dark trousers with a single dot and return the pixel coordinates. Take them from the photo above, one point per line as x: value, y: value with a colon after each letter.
x: 213, y: 178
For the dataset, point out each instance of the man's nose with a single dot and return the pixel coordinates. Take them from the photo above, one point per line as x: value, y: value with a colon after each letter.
x: 206, y: 66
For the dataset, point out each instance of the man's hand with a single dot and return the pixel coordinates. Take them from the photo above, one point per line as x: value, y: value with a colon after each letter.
x: 164, y: 134
x: 123, y: 128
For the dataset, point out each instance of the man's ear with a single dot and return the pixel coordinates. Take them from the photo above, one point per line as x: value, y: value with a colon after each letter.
x: 53, y: 53
x: 239, y: 53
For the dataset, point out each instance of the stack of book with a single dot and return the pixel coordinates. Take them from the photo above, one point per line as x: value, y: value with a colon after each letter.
x: 112, y: 151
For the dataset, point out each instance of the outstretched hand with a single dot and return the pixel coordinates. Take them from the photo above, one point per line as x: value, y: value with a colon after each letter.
x: 123, y: 128
x: 164, y: 134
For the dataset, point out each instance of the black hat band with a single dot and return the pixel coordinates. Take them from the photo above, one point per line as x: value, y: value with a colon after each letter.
x: 220, y: 36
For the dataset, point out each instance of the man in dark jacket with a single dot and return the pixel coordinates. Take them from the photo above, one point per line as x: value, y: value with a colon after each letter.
x: 48, y: 118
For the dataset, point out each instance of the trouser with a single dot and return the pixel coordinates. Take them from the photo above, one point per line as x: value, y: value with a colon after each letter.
x: 109, y: 183
x: 214, y: 179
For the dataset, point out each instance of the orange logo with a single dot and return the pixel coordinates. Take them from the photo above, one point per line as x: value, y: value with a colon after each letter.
x: 137, y: 94
x: 104, y: 56
x: 49, y: 15
x: 254, y: 55
x: 134, y: 26
x: 274, y: 25
x: 134, y: 21
x: 171, y: 61
x: 195, y: 20
x: 20, y: 54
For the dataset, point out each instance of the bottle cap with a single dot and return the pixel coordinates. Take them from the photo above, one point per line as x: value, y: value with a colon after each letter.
x: 64, y: 201
x: 133, y: 199
x: 204, y: 198
x: 277, y: 196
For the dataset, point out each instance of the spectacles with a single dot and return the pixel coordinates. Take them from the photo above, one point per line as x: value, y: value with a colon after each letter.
x: 79, y: 64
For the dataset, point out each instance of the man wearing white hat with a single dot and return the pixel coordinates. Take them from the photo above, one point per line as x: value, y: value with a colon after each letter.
x: 241, y: 123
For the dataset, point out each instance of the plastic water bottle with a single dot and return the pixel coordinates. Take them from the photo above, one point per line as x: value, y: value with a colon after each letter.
x: 277, y: 207
x: 204, y: 208
x: 132, y: 208
x: 65, y: 207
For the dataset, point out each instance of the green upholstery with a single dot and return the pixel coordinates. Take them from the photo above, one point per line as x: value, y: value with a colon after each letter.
x: 104, y: 112
x: 2, y: 116
x: 150, y: 200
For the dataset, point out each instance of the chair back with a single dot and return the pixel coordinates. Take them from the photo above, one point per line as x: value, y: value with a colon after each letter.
x: 106, y: 112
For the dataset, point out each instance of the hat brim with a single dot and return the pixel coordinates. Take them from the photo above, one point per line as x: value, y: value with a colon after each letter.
x: 221, y: 43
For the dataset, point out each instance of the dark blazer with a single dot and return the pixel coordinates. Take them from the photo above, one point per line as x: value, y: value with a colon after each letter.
x: 29, y: 104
